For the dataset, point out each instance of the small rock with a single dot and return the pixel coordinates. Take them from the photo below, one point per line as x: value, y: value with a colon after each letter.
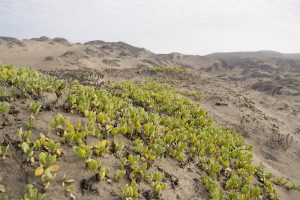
x: 221, y: 104
x: 174, y: 180
x: 113, y: 194
x: 109, y: 181
x: 189, y: 169
x: 72, y: 196
x: 17, y: 119
x: 61, y: 100
x: 48, y: 99
x: 32, y: 160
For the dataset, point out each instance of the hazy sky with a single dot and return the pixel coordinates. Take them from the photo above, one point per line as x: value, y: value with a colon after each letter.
x: 162, y: 26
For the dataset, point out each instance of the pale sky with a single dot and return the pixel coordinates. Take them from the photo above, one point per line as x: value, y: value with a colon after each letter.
x: 162, y: 26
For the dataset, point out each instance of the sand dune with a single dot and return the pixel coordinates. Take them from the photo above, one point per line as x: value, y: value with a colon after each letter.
x: 256, y: 93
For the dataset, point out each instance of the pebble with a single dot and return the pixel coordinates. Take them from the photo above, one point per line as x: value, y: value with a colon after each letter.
x: 72, y: 196
x: 109, y: 181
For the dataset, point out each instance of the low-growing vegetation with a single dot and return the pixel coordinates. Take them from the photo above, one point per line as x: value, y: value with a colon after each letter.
x: 153, y: 122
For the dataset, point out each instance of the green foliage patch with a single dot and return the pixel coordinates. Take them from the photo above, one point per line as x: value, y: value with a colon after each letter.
x: 158, y: 122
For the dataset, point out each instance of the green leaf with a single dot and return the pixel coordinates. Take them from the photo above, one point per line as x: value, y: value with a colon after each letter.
x: 25, y: 147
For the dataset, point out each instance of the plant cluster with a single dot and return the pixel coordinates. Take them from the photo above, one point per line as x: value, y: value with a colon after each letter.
x: 47, y: 157
x: 32, y: 193
x: 29, y: 82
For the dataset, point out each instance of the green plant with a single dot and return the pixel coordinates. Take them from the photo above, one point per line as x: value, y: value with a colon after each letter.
x: 35, y: 108
x: 30, y: 123
x: 256, y: 191
x: 119, y: 174
x: 28, y: 150
x: 158, y: 187
x: 103, y: 172
x: 92, y: 165
x: 103, y: 118
x: 158, y: 176
x: 24, y: 136
x: 138, y: 145
x: 48, y: 144
x: 233, y: 182
x: 70, y: 188
x: 4, y: 107
x: 59, y: 121
x: 280, y: 181
x: 179, y: 152
x: 123, y: 162
x: 47, y: 177
x: 114, y: 131
x: 101, y: 148
x: 32, y: 193
x: 133, y: 160
x: 293, y: 186
x: 130, y: 191
x: 69, y: 133
x: 83, y: 151
x: 3, y: 92
x: 138, y: 171
x: 46, y: 159
x: 148, y: 177
x: 47, y: 174
x: 123, y: 130
x: 117, y: 146
x: 149, y: 155
x: 260, y: 171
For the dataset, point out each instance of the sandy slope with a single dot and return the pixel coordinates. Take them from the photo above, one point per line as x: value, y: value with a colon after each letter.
x: 259, y: 97
x: 56, y: 53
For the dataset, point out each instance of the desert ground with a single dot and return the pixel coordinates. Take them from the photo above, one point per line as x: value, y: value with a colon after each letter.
x: 256, y: 94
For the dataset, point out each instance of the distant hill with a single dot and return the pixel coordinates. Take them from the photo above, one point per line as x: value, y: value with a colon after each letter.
x: 46, y: 53
x: 254, y: 54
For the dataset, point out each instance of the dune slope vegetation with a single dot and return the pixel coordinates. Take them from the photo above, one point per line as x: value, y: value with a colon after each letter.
x: 128, y: 140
